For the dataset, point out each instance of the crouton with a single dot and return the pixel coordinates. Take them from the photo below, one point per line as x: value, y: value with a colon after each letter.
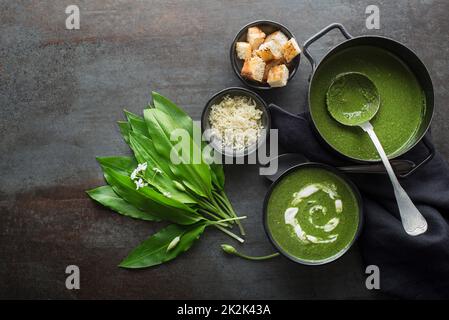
x: 243, y: 50
x: 270, y: 65
x: 270, y: 50
x: 291, y: 50
x: 277, y: 36
x: 253, y: 68
x: 278, y: 76
x: 255, y: 37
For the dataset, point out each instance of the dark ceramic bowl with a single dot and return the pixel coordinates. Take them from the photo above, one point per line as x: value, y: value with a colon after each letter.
x: 235, y: 91
x: 268, y: 27
x: 351, y: 185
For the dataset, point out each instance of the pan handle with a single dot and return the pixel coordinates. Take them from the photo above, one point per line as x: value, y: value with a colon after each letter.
x: 429, y: 157
x: 399, y: 166
x: 318, y: 35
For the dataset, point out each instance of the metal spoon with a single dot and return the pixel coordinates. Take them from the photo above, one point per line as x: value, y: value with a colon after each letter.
x: 353, y: 100
x: 288, y: 160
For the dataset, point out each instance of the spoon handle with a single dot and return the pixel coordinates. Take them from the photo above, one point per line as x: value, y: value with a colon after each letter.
x: 412, y: 220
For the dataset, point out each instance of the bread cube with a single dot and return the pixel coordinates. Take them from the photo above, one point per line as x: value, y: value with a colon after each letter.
x: 277, y: 36
x: 253, y: 68
x: 270, y: 65
x: 291, y: 50
x: 255, y: 37
x: 270, y: 50
x: 278, y: 76
x: 243, y: 50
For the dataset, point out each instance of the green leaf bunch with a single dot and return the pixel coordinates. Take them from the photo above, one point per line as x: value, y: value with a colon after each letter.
x: 186, y: 193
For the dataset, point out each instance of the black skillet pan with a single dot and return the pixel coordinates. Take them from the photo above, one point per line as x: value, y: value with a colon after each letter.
x: 401, y: 51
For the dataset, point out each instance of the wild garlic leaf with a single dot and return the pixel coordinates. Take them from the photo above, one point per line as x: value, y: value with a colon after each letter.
x: 147, y: 149
x: 124, y: 165
x: 185, y: 121
x: 171, y: 109
x: 163, y: 181
x: 150, y: 200
x: 144, y: 150
x: 196, y: 175
x: 140, y: 149
x: 136, y: 122
x: 218, y: 176
x: 106, y: 196
x: 125, y: 129
x: 153, y: 251
x: 144, y: 147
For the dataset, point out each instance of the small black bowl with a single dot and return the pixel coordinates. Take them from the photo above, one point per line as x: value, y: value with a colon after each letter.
x: 354, y: 189
x: 236, y: 91
x: 268, y: 27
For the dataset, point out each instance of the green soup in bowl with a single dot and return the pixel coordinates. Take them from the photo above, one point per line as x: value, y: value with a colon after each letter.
x: 312, y: 214
x: 402, y: 102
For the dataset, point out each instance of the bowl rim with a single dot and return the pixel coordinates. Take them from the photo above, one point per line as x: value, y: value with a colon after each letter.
x: 353, y: 188
x: 260, y: 103
x: 233, y: 57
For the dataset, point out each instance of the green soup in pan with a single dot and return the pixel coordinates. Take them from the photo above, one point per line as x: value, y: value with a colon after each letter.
x: 402, y: 102
x: 312, y: 214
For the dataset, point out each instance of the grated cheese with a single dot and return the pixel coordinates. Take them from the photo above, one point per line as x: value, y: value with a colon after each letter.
x: 236, y: 122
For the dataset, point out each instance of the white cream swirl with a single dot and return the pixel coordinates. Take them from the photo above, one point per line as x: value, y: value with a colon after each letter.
x: 298, y: 197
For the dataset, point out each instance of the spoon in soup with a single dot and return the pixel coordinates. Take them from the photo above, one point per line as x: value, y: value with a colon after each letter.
x: 353, y: 100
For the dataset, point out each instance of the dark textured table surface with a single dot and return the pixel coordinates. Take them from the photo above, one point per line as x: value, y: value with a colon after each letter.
x: 61, y: 92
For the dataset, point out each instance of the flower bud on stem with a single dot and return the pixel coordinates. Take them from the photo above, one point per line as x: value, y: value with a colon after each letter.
x: 233, y: 251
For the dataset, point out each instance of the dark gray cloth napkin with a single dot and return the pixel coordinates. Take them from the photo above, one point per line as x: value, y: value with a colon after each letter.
x: 410, y: 267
